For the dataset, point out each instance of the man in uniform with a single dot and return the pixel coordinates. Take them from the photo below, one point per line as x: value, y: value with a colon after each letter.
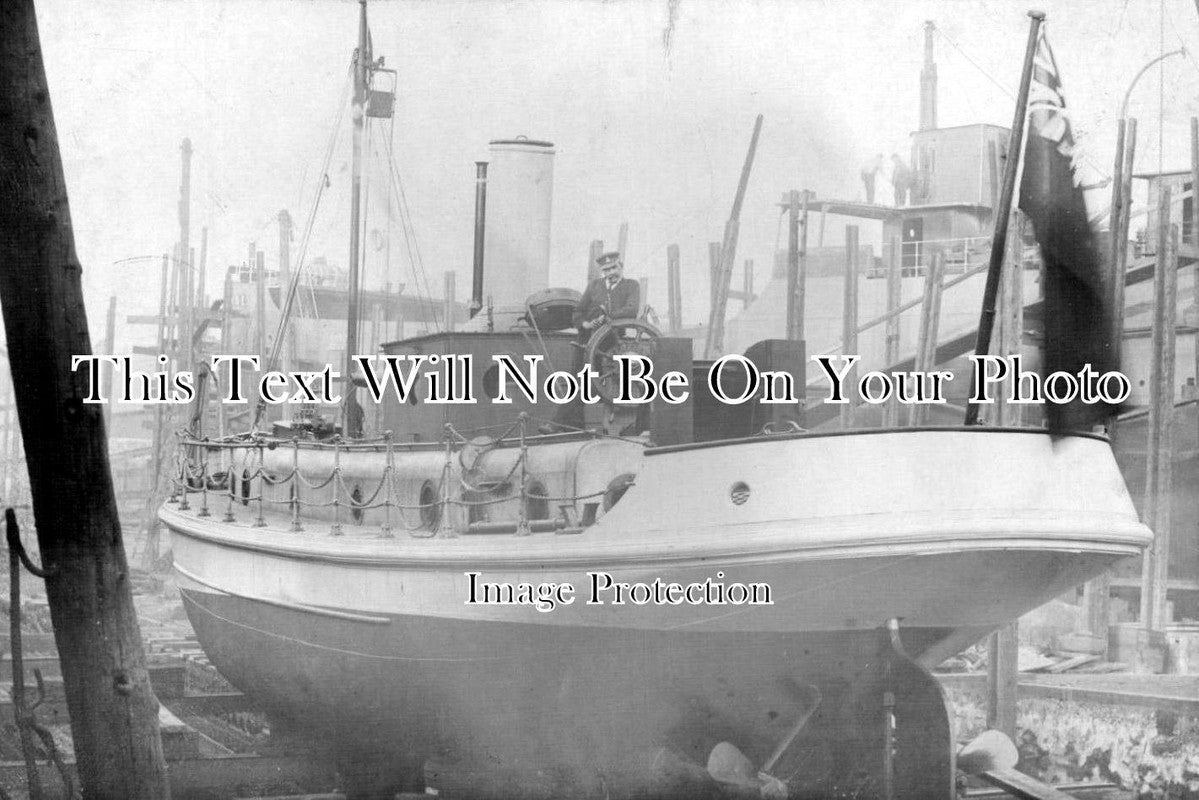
x: 607, y: 297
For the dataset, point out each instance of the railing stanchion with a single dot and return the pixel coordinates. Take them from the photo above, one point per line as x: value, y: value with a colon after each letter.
x: 260, y: 522
x: 335, y: 530
x: 522, y: 525
x: 295, y: 486
x: 445, y: 526
x: 184, y: 478
x: 388, y: 477
x: 229, y: 485
x: 203, y: 512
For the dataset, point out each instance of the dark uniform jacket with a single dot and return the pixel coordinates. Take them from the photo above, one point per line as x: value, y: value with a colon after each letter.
x: 623, y: 301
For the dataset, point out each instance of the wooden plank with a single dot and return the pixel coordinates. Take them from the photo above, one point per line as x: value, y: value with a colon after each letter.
x: 1070, y: 663
x: 1080, y: 791
x: 142, y: 319
x: 1020, y: 785
x: 1187, y: 705
x: 208, y: 705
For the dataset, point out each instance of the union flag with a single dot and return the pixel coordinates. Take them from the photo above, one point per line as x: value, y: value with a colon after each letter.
x: 1077, y: 321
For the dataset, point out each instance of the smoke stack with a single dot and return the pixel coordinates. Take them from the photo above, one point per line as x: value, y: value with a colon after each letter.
x: 928, y: 82
x: 517, y: 241
x: 476, y: 292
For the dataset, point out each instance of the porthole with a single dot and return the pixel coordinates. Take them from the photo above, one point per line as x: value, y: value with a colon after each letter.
x: 430, y: 505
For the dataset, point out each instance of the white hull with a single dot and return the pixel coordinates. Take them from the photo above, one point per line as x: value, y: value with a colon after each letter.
x: 954, y: 532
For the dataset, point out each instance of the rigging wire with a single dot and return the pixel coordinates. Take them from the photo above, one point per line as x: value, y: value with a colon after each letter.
x: 413, y: 246
x: 1080, y: 151
x: 322, y: 183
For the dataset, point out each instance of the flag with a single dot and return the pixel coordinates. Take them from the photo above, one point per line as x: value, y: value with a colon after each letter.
x: 1077, y: 319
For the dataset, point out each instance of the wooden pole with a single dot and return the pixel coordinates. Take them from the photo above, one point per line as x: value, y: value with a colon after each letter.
x: 1194, y: 242
x: 259, y: 271
x: 597, y: 249
x: 622, y: 241
x: 894, y: 295
x: 1097, y: 591
x: 1002, y: 676
x: 801, y: 274
x: 153, y: 497
x: 113, y: 711
x: 728, y: 251
x: 226, y: 333
x: 793, y: 310
x: 986, y: 320
x: 713, y: 276
x: 674, y: 300
x: 1117, y: 206
x: 288, y: 350
x: 1155, y: 564
x: 449, y: 300
x: 202, y: 271
x: 187, y: 284
x: 849, y: 316
x: 930, y: 318
x: 174, y: 312
x: 747, y: 282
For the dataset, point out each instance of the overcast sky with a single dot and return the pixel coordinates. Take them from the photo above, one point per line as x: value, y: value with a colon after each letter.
x: 650, y: 106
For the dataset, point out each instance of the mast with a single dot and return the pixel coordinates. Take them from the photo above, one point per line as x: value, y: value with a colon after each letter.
x: 352, y: 416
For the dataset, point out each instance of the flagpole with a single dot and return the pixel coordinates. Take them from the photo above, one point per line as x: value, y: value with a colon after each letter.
x: 986, y: 320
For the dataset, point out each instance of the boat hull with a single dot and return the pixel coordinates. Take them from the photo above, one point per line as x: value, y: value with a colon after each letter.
x: 578, y: 712
x: 392, y: 650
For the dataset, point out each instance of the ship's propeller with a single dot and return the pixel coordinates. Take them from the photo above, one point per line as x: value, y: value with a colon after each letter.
x: 987, y: 752
x: 727, y: 765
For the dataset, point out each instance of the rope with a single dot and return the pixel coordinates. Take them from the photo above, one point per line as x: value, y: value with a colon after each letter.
x: 410, y: 240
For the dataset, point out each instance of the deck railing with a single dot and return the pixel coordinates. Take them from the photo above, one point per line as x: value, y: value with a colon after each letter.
x: 243, y: 479
x: 915, y: 258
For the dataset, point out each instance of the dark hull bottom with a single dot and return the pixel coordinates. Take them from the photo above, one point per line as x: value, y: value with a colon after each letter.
x: 499, y: 709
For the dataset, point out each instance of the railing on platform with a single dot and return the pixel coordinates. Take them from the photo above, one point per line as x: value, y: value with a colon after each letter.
x: 242, y: 479
x: 916, y: 257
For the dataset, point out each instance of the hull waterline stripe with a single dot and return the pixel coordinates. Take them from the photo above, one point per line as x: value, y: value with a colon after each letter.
x: 327, y: 648
x: 307, y: 609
